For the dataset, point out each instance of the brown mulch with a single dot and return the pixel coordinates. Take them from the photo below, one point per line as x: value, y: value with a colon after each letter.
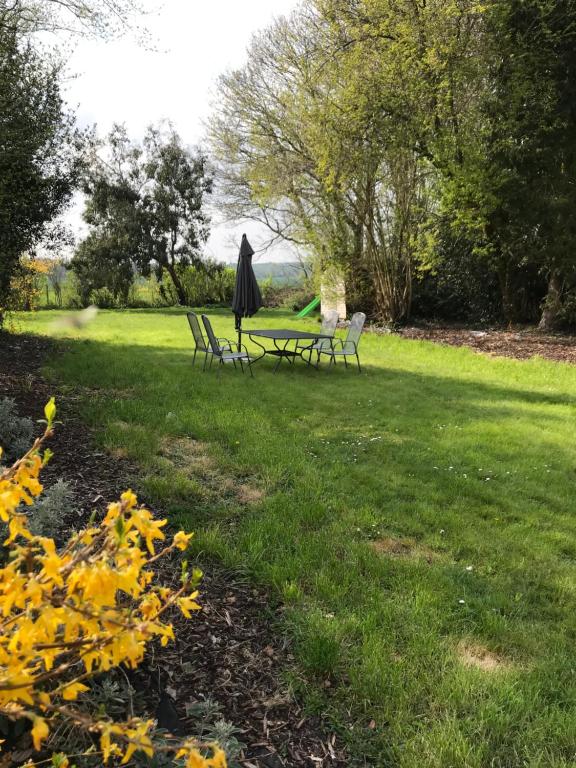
x: 233, y: 654
x: 520, y: 344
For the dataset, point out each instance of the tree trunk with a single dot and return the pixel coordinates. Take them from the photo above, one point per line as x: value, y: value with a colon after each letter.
x: 552, y: 303
x: 506, y: 292
x: 180, y: 292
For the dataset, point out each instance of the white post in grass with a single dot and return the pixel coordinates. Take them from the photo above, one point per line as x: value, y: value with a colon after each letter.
x: 333, y: 293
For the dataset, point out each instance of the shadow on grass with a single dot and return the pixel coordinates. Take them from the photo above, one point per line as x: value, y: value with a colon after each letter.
x: 139, y: 363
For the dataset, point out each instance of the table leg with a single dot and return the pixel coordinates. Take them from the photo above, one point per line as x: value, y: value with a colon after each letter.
x: 263, y: 348
x: 281, y: 353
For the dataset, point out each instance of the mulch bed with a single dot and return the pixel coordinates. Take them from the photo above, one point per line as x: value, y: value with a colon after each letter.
x: 233, y: 652
x: 520, y: 344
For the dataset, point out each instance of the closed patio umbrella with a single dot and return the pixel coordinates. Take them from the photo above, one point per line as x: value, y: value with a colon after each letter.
x: 247, y: 299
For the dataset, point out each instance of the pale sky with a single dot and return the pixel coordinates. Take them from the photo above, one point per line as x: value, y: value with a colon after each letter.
x: 195, y: 42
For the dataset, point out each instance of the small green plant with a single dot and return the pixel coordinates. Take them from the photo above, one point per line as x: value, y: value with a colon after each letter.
x: 225, y: 734
x: 291, y: 592
x: 45, y: 516
x: 15, y: 431
x: 204, y: 712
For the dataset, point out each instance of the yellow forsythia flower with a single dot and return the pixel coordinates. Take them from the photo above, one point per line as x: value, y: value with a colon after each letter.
x: 71, y: 692
x: 187, y: 604
x: 39, y: 732
x: 181, y: 540
x: 92, y: 602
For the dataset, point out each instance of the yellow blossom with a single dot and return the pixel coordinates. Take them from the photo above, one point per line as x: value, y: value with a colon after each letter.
x: 39, y: 732
x: 128, y: 499
x: 188, y: 603
x: 71, y: 692
x: 181, y: 540
x: 90, y: 603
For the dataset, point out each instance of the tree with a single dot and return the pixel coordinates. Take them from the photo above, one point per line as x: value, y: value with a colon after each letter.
x: 56, y: 276
x: 102, y: 261
x: 377, y: 133
x: 146, y: 205
x: 40, y: 157
x: 507, y: 167
x: 330, y: 133
x: 93, y: 18
x: 531, y: 148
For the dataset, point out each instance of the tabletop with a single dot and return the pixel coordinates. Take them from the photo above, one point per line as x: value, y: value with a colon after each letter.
x: 286, y: 333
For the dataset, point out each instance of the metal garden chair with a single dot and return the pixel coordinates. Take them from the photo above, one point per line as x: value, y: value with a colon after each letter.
x: 224, y: 353
x: 200, y: 341
x: 328, y: 327
x: 349, y: 346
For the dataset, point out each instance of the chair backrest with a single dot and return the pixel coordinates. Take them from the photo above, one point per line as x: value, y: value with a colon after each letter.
x: 212, y: 340
x: 329, y: 322
x: 328, y: 327
x: 199, y: 339
x: 355, y: 330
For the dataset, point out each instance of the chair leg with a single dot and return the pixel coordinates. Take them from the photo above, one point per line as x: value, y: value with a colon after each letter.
x: 241, y: 366
x: 358, y: 361
x: 205, y: 361
x: 250, y: 368
x: 345, y: 361
x: 194, y: 358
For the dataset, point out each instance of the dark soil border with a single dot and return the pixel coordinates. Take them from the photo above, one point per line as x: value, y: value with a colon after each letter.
x: 520, y: 344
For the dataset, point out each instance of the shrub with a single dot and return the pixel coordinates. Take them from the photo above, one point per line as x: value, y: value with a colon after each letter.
x: 275, y: 295
x: 300, y: 298
x: 45, y: 516
x: 103, y: 298
x: 208, y: 283
x: 73, y: 613
x: 26, y: 284
x: 15, y: 431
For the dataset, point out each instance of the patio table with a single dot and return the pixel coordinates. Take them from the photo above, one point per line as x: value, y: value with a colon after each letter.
x: 281, y: 338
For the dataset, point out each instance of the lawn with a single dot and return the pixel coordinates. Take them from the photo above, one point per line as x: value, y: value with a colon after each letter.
x: 417, y: 520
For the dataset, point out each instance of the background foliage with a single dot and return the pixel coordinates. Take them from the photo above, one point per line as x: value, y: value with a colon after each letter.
x: 421, y: 146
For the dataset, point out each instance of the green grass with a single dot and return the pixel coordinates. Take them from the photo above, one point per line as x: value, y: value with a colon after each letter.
x: 469, y: 461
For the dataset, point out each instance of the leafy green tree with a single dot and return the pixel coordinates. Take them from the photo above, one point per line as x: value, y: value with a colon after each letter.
x: 40, y: 158
x: 334, y: 131
x: 100, y: 261
x: 506, y: 181
x: 531, y: 149
x: 146, y: 207
x: 376, y: 133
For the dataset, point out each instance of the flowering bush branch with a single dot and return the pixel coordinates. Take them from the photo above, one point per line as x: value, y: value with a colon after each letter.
x: 70, y: 613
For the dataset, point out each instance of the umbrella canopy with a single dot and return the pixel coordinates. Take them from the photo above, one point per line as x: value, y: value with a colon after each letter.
x: 247, y: 299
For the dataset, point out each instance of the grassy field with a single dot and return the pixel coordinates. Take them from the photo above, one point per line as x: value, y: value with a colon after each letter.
x: 418, y: 520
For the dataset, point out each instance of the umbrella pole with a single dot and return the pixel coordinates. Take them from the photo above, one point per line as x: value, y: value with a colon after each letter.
x: 239, y: 334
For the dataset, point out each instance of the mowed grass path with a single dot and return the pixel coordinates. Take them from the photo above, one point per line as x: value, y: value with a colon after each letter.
x: 418, y: 521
